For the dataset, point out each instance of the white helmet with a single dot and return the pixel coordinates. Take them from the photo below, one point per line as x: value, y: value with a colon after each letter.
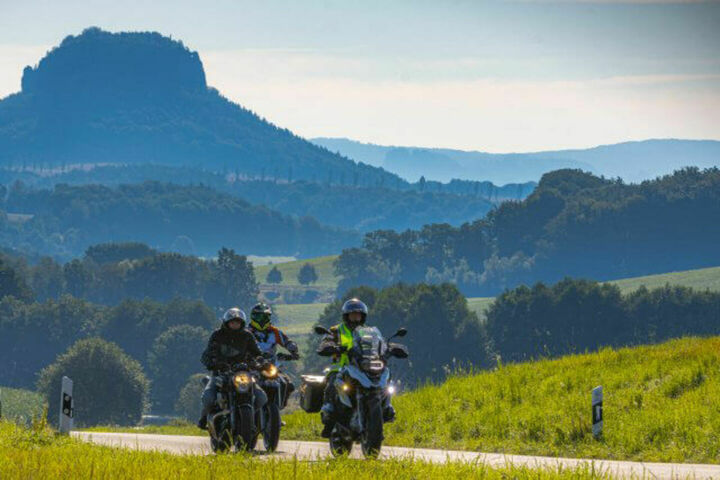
x: 234, y: 313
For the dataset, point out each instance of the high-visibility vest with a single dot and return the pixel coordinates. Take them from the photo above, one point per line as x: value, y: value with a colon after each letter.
x: 346, y: 340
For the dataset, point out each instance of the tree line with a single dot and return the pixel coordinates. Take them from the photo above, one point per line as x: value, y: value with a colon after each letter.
x: 575, y: 316
x: 574, y: 224
x: 110, y: 273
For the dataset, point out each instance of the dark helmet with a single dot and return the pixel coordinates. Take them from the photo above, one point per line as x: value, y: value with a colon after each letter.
x: 234, y: 314
x: 354, y: 305
x: 260, y: 316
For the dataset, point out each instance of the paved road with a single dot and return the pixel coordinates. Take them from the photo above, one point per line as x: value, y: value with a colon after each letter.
x: 314, y: 450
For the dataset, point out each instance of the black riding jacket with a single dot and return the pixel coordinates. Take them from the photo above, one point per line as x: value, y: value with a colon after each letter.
x: 229, y: 346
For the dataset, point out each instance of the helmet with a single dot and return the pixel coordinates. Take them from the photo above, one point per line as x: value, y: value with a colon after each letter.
x: 260, y: 316
x: 354, y: 305
x: 234, y: 314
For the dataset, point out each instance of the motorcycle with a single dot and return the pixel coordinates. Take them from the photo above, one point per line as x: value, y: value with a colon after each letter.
x: 276, y: 389
x: 363, y: 390
x: 233, y: 425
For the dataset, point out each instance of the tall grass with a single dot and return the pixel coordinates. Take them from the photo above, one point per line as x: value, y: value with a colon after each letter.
x: 39, y: 453
x: 20, y: 405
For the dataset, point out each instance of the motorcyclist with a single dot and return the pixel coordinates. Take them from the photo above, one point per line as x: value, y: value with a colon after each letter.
x: 228, y: 345
x: 268, y: 338
x: 354, y: 314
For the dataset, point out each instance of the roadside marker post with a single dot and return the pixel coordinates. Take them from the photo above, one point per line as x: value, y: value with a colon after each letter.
x: 597, y: 411
x: 67, y: 406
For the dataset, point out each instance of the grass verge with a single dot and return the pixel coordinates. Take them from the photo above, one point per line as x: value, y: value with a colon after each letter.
x: 39, y: 453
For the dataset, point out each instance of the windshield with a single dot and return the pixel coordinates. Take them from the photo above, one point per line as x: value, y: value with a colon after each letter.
x: 369, y: 341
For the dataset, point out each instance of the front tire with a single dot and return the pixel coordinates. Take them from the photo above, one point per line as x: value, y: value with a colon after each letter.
x: 246, y: 434
x: 372, y: 435
x: 338, y: 445
x: 223, y: 442
x: 271, y: 435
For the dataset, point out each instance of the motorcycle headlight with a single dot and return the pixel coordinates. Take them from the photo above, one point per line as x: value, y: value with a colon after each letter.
x: 242, y: 379
x: 270, y: 372
x: 346, y: 387
x: 391, y: 390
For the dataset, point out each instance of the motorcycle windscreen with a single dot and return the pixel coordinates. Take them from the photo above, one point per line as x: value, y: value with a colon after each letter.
x: 369, y: 341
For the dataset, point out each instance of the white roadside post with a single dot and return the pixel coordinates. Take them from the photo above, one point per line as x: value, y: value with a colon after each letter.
x: 67, y: 406
x: 597, y: 411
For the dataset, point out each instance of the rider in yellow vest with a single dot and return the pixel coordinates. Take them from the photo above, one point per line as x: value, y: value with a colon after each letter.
x: 354, y: 313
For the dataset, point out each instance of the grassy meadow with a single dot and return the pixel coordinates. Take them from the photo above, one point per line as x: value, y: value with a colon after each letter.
x: 323, y: 267
x: 40, y: 453
x: 700, y: 279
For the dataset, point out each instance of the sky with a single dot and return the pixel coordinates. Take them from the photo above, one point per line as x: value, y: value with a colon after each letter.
x: 496, y: 76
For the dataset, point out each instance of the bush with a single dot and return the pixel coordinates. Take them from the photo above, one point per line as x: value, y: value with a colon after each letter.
x: 174, y: 356
x: 188, y: 401
x: 109, y: 387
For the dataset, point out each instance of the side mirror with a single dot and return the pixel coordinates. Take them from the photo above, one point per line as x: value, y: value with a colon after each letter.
x: 320, y: 330
x: 399, y: 351
x: 402, y: 331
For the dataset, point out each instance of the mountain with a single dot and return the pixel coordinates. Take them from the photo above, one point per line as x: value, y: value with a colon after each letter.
x: 631, y: 161
x: 130, y: 98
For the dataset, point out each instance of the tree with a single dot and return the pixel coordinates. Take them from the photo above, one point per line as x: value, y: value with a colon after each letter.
x: 307, y: 274
x: 78, y: 278
x: 47, y: 279
x: 274, y: 276
x: 11, y: 283
x: 174, y: 355
x: 110, y: 387
x: 234, y: 281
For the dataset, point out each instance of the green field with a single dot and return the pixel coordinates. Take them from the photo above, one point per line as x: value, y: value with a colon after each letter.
x: 700, y: 279
x: 39, y: 453
x: 323, y: 267
x: 660, y: 405
x: 20, y: 405
x: 297, y: 319
x: 479, y: 305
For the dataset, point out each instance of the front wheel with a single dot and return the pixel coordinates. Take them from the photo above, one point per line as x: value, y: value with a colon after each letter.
x: 338, y: 445
x: 223, y: 442
x: 271, y: 434
x: 246, y: 437
x: 372, y: 435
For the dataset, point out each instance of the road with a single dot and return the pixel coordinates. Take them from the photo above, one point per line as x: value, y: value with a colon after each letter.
x: 313, y: 450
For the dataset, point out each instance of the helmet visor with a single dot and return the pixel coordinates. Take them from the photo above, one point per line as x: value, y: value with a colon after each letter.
x: 262, y: 319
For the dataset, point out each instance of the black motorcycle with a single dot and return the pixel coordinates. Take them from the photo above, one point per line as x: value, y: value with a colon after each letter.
x: 234, y: 423
x: 276, y: 389
x: 363, y: 390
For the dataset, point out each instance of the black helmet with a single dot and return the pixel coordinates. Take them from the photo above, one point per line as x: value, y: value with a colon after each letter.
x: 234, y: 314
x: 354, y: 305
x: 260, y: 316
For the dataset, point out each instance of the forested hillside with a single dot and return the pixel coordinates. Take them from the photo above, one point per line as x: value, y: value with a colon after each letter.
x: 573, y: 224
x: 66, y: 220
x: 335, y: 201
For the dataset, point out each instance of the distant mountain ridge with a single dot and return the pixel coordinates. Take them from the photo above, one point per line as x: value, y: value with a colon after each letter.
x: 134, y: 98
x: 631, y: 161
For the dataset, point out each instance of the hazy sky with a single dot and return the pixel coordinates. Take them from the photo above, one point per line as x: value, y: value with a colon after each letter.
x: 492, y: 76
